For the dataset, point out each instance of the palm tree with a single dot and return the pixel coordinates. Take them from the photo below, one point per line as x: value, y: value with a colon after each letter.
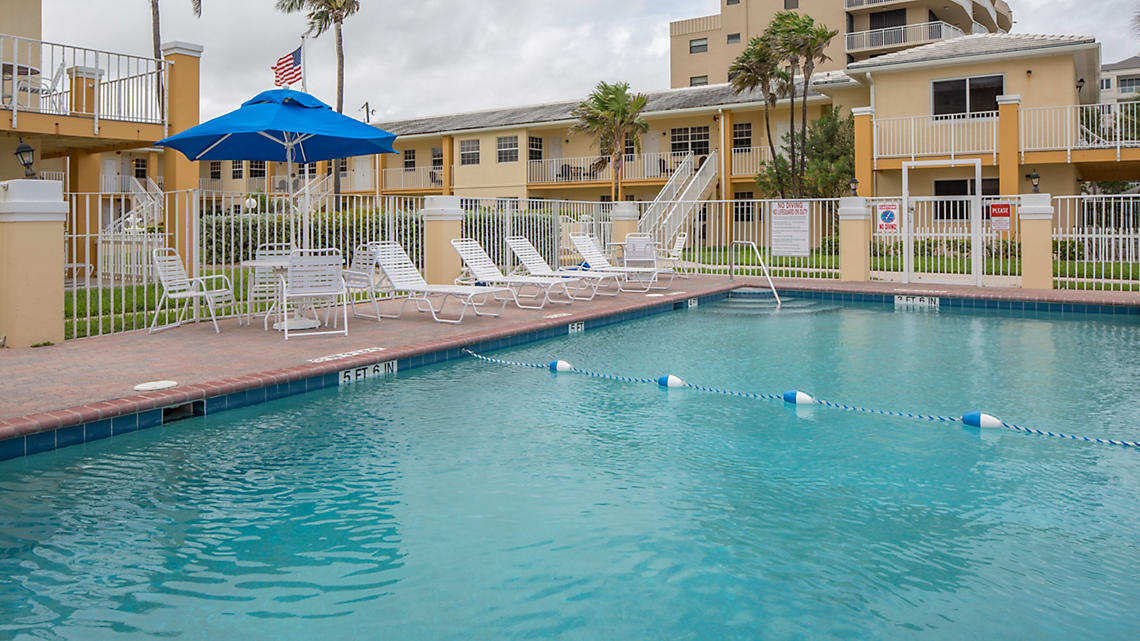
x: 156, y: 33
x: 323, y: 15
x: 757, y: 67
x: 815, y: 39
x: 155, y: 29
x: 787, y: 36
x: 612, y: 115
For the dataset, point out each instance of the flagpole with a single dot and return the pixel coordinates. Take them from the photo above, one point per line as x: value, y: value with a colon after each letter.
x: 304, y: 62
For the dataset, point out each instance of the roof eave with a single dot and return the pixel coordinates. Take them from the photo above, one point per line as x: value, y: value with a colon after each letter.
x: 1058, y: 49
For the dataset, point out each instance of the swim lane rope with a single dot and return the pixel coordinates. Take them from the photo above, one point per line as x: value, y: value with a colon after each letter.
x: 795, y: 397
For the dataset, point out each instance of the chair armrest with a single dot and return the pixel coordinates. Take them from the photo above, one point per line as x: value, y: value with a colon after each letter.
x: 201, y: 280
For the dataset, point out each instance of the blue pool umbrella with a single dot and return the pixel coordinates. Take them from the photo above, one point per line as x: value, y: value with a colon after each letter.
x: 281, y: 125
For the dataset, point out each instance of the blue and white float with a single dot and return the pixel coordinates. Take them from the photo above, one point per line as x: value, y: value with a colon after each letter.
x: 561, y: 366
x: 981, y: 420
x: 796, y: 397
x: 670, y: 381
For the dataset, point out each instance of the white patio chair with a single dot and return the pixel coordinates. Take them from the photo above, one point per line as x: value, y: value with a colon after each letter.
x: 314, y: 278
x: 361, y: 278
x: 675, y: 254
x: 403, y: 276
x: 641, y: 251
x: 535, y: 264
x: 177, y: 286
x: 483, y: 270
x: 597, y: 261
x: 262, y: 285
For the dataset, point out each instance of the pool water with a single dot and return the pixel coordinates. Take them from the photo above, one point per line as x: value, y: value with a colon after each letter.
x: 476, y: 501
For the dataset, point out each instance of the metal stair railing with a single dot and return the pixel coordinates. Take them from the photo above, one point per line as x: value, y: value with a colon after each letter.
x: 687, y: 203
x: 763, y: 265
x: 667, y: 195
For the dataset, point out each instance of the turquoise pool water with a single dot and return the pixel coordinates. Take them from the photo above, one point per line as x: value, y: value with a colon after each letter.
x: 474, y: 501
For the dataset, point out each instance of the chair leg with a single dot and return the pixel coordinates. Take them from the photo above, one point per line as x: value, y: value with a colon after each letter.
x: 213, y: 315
x: 157, y: 311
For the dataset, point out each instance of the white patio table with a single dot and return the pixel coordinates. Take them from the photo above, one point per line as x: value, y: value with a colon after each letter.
x: 280, y: 266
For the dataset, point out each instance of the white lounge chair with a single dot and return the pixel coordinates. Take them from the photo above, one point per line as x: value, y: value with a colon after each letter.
x: 361, y: 278
x: 483, y: 270
x: 262, y: 285
x: 675, y: 254
x: 314, y: 278
x: 177, y: 286
x: 597, y: 261
x: 403, y: 276
x: 589, y: 281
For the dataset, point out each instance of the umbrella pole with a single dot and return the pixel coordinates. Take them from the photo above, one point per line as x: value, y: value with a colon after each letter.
x: 289, y: 182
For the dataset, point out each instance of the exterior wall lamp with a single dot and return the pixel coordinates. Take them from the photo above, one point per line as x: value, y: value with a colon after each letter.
x: 1035, y: 178
x: 854, y: 186
x: 25, y: 155
x: 1080, y: 84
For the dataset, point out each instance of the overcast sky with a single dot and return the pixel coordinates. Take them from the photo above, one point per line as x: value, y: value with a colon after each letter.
x: 425, y: 57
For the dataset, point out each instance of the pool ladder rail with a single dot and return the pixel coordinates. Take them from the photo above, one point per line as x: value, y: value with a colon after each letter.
x: 763, y: 265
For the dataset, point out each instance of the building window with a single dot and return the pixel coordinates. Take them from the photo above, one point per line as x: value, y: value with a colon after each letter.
x: 630, y: 145
x: 343, y: 162
x: 215, y: 170
x: 689, y: 139
x: 698, y: 45
x: 257, y: 169
x: 791, y: 4
x: 468, y: 152
x: 535, y: 148
x: 437, y: 157
x: 508, y: 148
x: 734, y: 38
x: 139, y: 165
x: 743, y: 207
x: 409, y: 159
x: 237, y: 170
x: 741, y: 135
x: 1128, y: 85
x: 698, y: 81
x: 972, y: 97
x: 607, y: 199
x: 1106, y: 84
x: 959, y: 208
x: 730, y: 2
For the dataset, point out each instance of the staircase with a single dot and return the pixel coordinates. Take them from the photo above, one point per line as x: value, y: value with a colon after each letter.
x: 667, y: 195
x: 677, y: 213
x: 146, y: 208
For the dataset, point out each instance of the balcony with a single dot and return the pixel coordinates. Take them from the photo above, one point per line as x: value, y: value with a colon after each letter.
x: 915, y: 137
x: 419, y: 178
x: 62, y: 80
x: 748, y: 161
x: 651, y: 166
x: 904, y: 36
x: 1073, y: 127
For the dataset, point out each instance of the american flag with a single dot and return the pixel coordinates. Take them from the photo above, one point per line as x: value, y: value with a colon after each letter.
x: 288, y: 69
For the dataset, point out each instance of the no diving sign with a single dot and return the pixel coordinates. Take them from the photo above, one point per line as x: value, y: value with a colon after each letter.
x: 887, y: 217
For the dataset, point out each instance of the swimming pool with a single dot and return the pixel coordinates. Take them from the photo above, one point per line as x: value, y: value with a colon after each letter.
x: 477, y: 501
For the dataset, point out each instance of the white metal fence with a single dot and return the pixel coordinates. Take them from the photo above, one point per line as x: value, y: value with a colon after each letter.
x: 1069, y: 127
x: 904, y: 35
x: 110, y: 285
x: 1096, y: 242
x: 59, y: 79
x: 417, y: 178
x: 918, y: 136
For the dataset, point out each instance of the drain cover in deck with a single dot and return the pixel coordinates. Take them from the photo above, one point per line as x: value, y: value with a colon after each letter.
x: 152, y: 386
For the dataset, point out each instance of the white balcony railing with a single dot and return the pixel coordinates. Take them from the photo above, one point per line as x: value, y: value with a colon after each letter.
x: 917, y: 136
x: 1069, y: 127
x: 569, y: 170
x: 54, y: 175
x: 748, y: 161
x: 418, y: 178
x: 114, y: 183
x: 911, y: 34
x: 58, y: 79
x: 651, y: 166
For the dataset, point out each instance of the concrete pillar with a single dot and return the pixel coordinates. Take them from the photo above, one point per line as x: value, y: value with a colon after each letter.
x: 854, y: 240
x: 625, y: 216
x: 152, y: 165
x: 442, y: 223
x: 865, y: 149
x: 448, y: 160
x: 84, y: 185
x: 1009, y: 144
x: 32, y: 214
x: 83, y: 83
x: 1036, y: 217
x: 181, y: 175
x: 725, y: 168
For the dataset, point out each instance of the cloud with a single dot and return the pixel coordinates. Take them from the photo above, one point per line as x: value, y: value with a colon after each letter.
x: 444, y: 56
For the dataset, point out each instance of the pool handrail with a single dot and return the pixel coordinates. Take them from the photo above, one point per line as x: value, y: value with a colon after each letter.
x: 763, y: 265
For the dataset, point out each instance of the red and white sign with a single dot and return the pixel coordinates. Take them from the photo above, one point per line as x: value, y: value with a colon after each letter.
x: 790, y: 228
x: 887, y: 218
x: 1000, y: 216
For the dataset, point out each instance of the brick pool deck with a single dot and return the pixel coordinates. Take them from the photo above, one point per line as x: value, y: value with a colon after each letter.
x: 91, y: 379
